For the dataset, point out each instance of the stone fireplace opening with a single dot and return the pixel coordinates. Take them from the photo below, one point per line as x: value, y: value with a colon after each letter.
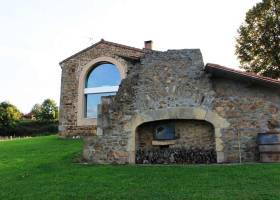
x: 175, y: 141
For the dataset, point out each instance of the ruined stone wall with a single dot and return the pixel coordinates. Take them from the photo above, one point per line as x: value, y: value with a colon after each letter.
x: 160, y: 81
x: 164, y: 80
x: 250, y: 109
x: 173, y: 78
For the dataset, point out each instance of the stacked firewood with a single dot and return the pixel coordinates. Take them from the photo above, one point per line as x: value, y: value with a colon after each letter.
x: 176, y: 156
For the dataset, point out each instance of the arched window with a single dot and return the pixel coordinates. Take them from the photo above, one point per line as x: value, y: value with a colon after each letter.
x: 102, y: 80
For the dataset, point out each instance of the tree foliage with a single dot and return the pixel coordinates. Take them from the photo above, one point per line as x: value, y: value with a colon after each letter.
x: 35, y: 111
x: 9, y: 115
x: 47, y: 111
x: 258, y: 43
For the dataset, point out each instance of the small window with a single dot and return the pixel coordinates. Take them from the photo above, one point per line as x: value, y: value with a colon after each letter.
x: 103, y: 80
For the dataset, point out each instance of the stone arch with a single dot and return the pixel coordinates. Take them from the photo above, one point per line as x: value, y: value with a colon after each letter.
x: 196, y: 113
x: 81, y: 120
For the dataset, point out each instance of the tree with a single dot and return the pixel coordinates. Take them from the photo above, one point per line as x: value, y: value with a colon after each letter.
x: 48, y: 111
x: 36, y: 111
x: 258, y: 43
x: 9, y: 115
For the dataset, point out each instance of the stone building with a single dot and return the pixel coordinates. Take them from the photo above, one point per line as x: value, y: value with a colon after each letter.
x: 163, y: 107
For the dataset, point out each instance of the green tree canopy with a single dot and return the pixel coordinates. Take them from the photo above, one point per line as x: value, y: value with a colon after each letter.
x: 48, y: 111
x: 36, y: 111
x: 258, y: 43
x: 9, y: 114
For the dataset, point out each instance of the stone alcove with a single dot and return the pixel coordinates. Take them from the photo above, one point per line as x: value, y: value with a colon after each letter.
x: 197, y: 114
x: 188, y: 133
x: 175, y: 141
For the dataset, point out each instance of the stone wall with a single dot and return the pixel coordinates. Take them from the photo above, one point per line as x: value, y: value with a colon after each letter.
x: 250, y: 109
x: 161, y: 80
x: 166, y: 86
x: 172, y: 78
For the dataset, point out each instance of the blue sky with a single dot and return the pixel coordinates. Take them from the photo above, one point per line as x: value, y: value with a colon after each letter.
x: 36, y: 35
x: 104, y: 75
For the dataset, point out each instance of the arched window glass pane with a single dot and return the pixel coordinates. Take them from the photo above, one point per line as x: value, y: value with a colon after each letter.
x: 103, y: 75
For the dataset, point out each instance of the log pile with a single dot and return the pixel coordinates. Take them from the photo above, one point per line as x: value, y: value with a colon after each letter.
x: 176, y: 156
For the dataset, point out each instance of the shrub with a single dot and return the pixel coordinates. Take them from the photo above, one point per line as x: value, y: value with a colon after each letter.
x: 30, y: 128
x: 9, y: 115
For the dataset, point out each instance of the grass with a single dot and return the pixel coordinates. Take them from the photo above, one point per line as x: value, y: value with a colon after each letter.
x: 42, y: 168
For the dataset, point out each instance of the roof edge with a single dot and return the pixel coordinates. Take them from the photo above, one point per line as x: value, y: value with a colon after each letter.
x: 209, y: 67
x: 100, y: 42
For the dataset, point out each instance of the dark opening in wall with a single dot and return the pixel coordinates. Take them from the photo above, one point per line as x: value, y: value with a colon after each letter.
x: 175, y: 141
x: 164, y: 131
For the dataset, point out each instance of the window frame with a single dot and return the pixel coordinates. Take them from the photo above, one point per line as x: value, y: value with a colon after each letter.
x: 85, y: 70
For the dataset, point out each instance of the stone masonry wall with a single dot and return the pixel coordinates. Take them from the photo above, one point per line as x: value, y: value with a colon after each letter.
x: 250, y: 109
x: 160, y: 81
x: 173, y: 78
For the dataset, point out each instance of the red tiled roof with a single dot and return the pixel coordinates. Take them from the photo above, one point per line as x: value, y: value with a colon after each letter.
x: 215, y: 69
x: 104, y: 42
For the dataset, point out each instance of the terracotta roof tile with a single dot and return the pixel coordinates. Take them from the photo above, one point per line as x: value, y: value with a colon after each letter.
x: 212, y: 68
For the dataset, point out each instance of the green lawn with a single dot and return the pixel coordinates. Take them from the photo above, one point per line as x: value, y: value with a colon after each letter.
x: 42, y: 168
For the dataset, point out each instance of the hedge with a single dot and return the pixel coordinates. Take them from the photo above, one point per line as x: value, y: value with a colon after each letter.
x: 30, y: 128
